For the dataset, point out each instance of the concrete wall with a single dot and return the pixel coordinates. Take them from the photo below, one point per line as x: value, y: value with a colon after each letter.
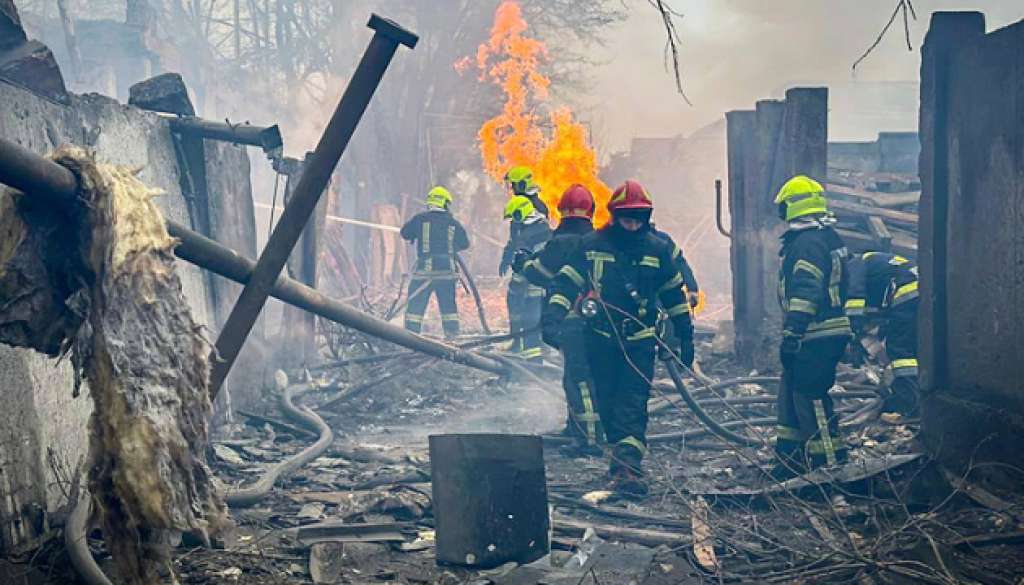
x: 972, y: 242
x: 766, y: 147
x: 40, y: 417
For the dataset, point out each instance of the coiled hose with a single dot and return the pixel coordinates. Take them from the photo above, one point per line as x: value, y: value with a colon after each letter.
x: 251, y: 495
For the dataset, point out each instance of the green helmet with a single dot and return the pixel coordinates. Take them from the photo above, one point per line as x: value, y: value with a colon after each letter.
x: 439, y: 198
x: 518, y: 208
x: 801, y: 196
x: 520, y: 179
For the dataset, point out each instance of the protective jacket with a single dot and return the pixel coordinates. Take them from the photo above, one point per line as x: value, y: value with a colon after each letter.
x: 879, y: 281
x: 813, y: 281
x: 438, y: 236
x: 629, y: 278
x: 525, y: 236
x: 543, y: 265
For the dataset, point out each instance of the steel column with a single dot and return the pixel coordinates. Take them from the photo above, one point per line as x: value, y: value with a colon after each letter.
x: 315, y: 176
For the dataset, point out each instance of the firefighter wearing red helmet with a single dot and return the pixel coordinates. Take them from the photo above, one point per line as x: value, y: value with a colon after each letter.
x: 583, y: 423
x: 616, y: 279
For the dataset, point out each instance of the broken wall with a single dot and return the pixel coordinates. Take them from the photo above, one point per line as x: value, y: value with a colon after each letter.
x: 972, y: 243
x: 767, y: 146
x: 892, y: 152
x: 42, y: 428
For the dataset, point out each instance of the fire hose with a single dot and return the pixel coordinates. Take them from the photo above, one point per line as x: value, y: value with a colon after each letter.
x: 475, y: 292
x: 248, y: 496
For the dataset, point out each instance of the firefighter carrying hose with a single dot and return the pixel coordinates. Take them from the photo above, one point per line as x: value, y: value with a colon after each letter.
x: 812, y: 291
x: 615, y: 280
x: 583, y: 423
x: 883, y: 287
x: 438, y: 236
x: 528, y: 234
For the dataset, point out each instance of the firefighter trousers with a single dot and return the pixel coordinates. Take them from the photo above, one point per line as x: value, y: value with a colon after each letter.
x: 622, y: 380
x: 583, y: 421
x: 808, y: 428
x: 420, y: 290
x: 900, y: 333
x: 525, y: 303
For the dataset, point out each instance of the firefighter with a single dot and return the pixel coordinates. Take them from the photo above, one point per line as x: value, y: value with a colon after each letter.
x: 438, y: 236
x: 812, y: 291
x: 615, y: 280
x: 884, y: 287
x: 519, y: 181
x: 528, y: 234
x: 583, y: 423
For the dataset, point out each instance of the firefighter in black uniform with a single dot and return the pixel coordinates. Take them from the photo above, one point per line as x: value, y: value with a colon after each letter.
x: 583, y: 422
x: 883, y: 287
x: 615, y: 279
x: 812, y: 291
x: 438, y: 236
x: 519, y: 181
x: 528, y: 234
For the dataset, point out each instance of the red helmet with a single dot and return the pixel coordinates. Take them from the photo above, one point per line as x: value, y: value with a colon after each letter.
x: 630, y: 195
x: 576, y: 202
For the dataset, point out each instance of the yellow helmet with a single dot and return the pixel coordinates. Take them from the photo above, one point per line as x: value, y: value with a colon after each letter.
x: 518, y: 208
x: 801, y: 196
x: 439, y: 197
x: 520, y: 179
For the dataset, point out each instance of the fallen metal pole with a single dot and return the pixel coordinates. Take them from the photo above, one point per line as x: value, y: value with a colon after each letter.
x: 30, y: 173
x: 316, y: 173
x: 269, y: 139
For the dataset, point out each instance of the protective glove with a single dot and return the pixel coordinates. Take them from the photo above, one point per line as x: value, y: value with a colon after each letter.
x: 550, y: 333
x: 693, y: 298
x: 503, y: 268
x: 519, y: 260
x: 790, y: 346
x: 686, y: 351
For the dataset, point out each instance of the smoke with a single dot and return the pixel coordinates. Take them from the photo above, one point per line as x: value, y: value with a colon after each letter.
x: 736, y: 52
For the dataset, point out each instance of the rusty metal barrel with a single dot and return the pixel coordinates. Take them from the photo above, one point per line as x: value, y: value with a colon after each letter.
x: 490, y: 499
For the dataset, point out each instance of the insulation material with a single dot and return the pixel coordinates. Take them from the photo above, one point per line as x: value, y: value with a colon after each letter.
x: 132, y: 338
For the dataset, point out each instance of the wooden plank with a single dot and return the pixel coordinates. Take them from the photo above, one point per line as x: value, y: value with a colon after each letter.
x: 888, y: 200
x: 855, y: 209
x: 881, y: 234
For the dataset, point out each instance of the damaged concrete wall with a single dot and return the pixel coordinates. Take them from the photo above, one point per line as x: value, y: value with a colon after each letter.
x: 40, y: 416
x: 765, y: 148
x: 972, y: 243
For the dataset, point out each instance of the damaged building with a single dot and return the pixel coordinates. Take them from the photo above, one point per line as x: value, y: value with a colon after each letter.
x: 214, y: 370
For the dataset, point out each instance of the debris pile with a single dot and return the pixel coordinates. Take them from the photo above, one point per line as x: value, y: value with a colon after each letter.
x: 876, y: 211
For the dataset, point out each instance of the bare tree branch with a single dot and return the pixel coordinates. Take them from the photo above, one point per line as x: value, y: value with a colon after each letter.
x: 906, y: 7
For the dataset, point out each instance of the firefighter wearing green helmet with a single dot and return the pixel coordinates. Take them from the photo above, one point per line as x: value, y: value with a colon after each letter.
x: 812, y: 292
x: 528, y: 233
x: 519, y: 181
x: 438, y: 236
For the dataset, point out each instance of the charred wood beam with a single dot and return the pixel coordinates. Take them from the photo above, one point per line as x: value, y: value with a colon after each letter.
x: 32, y: 174
x: 315, y: 175
x: 845, y: 208
x: 881, y: 233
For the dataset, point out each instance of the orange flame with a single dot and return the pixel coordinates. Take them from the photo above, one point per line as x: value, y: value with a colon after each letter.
x: 515, y: 136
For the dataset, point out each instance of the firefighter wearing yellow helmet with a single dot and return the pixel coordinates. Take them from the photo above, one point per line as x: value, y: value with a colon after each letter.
x: 438, y: 237
x: 528, y: 233
x: 520, y: 182
x: 812, y: 292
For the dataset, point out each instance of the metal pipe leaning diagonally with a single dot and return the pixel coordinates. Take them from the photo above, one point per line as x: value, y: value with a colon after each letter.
x: 37, y: 176
x: 316, y: 174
